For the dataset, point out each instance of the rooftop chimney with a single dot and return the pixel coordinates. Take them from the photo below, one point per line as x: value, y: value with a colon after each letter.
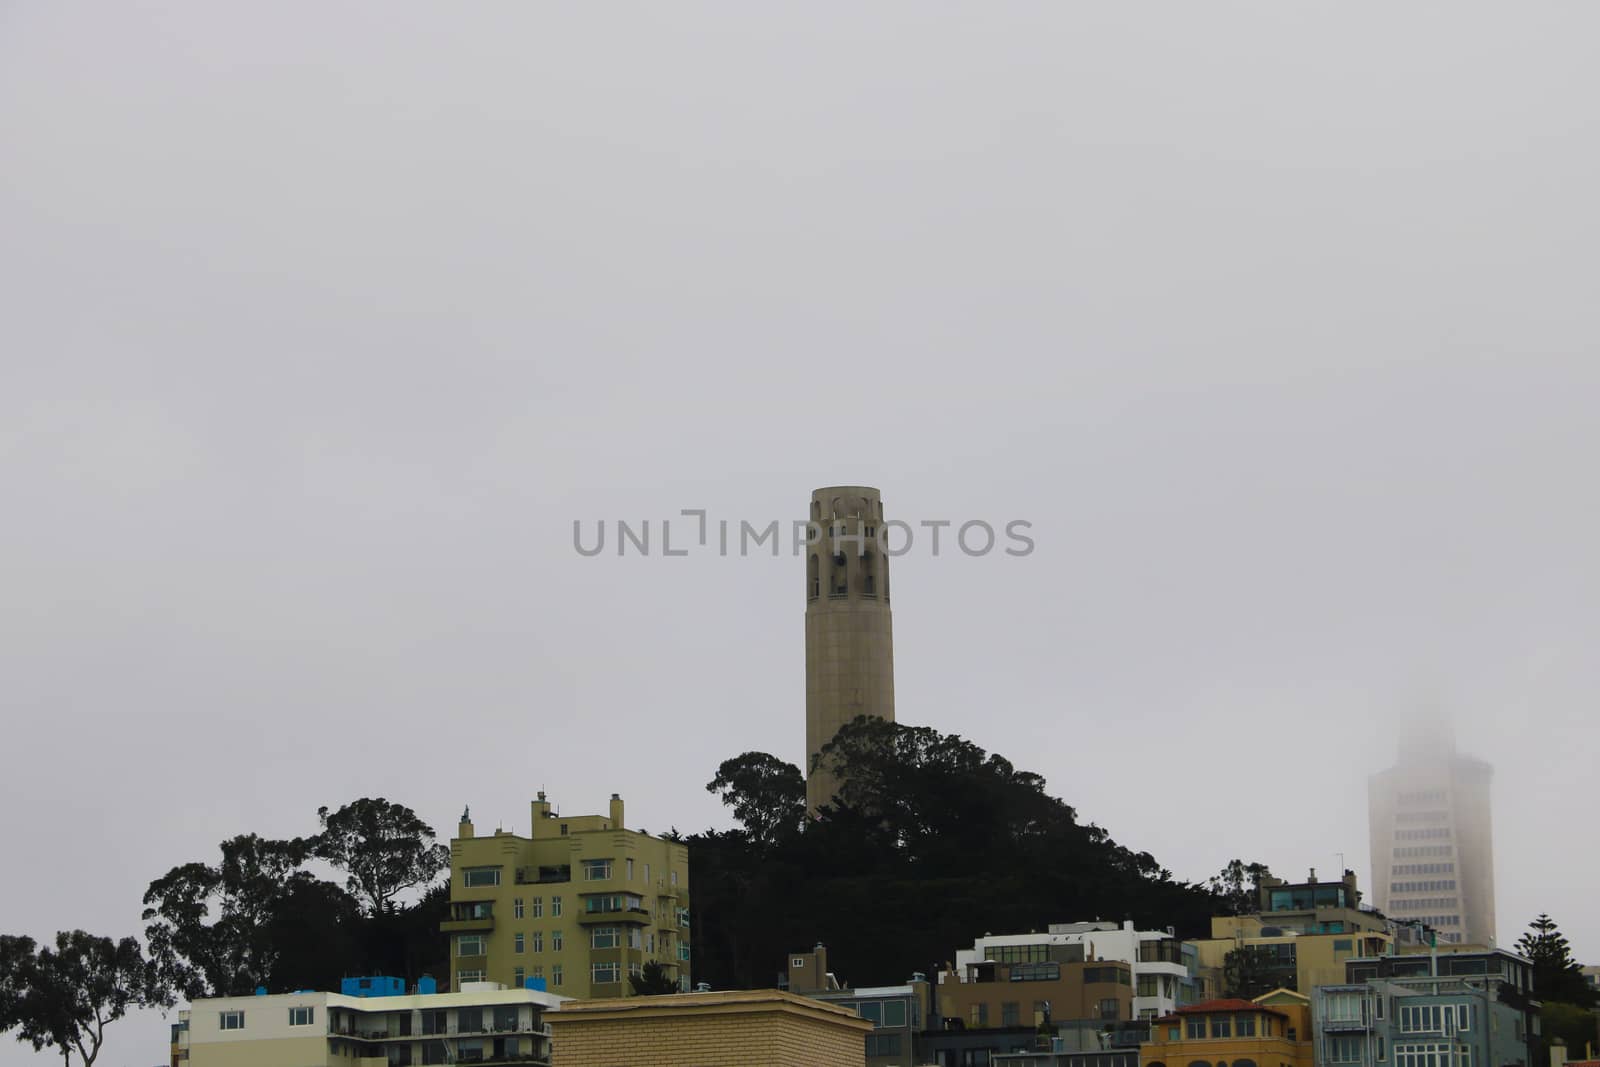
x: 616, y: 812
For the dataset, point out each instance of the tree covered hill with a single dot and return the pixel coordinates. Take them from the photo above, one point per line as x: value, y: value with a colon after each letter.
x: 931, y: 842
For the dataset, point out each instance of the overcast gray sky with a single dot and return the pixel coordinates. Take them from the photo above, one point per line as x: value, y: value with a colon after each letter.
x: 322, y: 323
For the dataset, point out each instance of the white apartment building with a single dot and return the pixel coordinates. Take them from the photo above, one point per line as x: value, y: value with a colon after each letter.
x: 483, y: 1023
x: 1164, y: 968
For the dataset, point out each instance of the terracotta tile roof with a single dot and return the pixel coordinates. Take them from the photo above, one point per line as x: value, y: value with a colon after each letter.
x: 1222, y: 1007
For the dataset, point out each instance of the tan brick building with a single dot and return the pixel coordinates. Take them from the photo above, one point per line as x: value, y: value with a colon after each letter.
x: 749, y: 1028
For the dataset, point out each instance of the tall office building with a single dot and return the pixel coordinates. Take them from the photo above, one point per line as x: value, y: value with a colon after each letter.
x: 582, y: 904
x: 849, y: 639
x: 1432, y: 840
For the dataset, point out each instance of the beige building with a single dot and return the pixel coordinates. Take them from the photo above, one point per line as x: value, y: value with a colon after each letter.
x: 1432, y: 839
x: 577, y: 906
x: 751, y: 1028
x: 483, y: 1024
x: 1302, y: 934
x: 849, y: 637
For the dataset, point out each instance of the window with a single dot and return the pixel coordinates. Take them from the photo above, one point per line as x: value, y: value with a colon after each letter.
x: 555, y: 975
x: 979, y: 1015
x: 1035, y: 972
x: 536, y: 942
x: 231, y: 1020
x: 1010, y: 1013
x: 634, y: 938
x: 518, y: 977
x: 1434, y: 1019
x: 1018, y: 954
x: 1247, y: 1027
x: 538, y: 907
x: 536, y: 971
x: 1110, y: 1008
x: 469, y: 945
x: 302, y: 1016
x: 1344, y: 1048
x: 894, y: 1013
x: 464, y: 976
x: 603, y: 937
x: 883, y: 1044
x: 518, y: 943
x: 604, y: 973
x: 1431, y: 1055
x: 872, y: 1012
x: 1222, y: 1026
x: 1380, y: 1049
x: 555, y: 940
x: 477, y: 876
x: 1196, y: 1030
x: 555, y: 907
x: 596, y: 870
x: 674, y: 877
x: 630, y: 869
x: 516, y: 908
x: 563, y: 829
x: 469, y: 1021
x: 798, y: 963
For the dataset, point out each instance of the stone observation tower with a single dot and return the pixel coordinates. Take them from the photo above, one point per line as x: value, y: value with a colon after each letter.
x: 849, y: 641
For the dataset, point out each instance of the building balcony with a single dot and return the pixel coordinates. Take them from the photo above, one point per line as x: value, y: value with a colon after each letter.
x: 467, y: 926
x: 631, y: 916
x: 543, y: 875
x: 1340, y: 1026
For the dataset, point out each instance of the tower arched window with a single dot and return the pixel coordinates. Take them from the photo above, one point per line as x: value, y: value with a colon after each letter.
x: 869, y: 574
x: 813, y: 578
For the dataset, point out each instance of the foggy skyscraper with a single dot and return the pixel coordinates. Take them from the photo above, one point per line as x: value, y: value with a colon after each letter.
x: 1432, y: 839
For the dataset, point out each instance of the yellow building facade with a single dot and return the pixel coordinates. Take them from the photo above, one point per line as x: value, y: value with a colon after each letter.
x: 581, y: 903
x: 1271, y: 1031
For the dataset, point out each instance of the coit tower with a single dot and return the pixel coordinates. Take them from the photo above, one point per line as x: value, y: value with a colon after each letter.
x: 849, y: 640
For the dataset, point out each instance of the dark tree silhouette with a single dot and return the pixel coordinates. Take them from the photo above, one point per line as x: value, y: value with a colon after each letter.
x: 383, y: 848
x: 64, y: 997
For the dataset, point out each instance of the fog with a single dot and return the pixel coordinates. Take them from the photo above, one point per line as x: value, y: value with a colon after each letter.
x: 321, y: 325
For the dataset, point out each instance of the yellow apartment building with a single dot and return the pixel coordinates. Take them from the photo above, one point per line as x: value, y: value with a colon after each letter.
x: 1271, y: 1031
x: 574, y: 908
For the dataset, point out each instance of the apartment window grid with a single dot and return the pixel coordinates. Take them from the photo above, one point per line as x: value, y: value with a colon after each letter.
x: 1422, y: 816
x: 518, y: 977
x: 302, y: 1016
x: 519, y: 942
x: 1412, y: 852
x: 469, y: 945
x: 555, y: 907
x: 536, y: 941
x: 231, y: 1020
x: 536, y: 907
x: 516, y: 908
x: 1438, y: 885
x: 555, y: 941
x: 1424, y: 868
x: 1426, y: 833
x: 1424, y: 902
x: 469, y: 975
x: 605, y: 973
x: 555, y: 974
x: 596, y: 870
